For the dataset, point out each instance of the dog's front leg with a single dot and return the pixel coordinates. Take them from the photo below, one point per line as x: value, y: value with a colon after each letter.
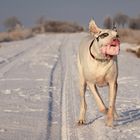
x: 112, y: 99
x: 99, y: 101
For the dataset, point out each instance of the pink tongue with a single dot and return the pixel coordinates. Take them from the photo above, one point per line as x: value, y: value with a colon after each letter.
x: 111, y: 50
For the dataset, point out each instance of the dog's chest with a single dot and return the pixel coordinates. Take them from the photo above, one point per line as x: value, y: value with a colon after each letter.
x: 101, y: 80
x: 97, y: 77
x: 98, y: 74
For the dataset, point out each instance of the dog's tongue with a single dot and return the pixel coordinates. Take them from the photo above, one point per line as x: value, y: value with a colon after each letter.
x: 111, y: 49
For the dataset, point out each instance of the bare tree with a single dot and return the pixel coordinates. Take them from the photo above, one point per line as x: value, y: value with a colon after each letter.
x: 41, y: 24
x: 108, y: 22
x: 41, y: 20
x: 12, y: 22
x: 121, y: 19
x: 134, y: 23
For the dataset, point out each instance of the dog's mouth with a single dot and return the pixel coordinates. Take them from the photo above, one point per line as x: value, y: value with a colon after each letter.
x: 112, y: 48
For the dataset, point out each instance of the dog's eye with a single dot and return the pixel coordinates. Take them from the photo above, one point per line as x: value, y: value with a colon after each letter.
x: 103, y: 35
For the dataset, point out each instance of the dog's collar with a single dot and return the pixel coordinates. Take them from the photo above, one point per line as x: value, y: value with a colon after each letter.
x: 98, y: 59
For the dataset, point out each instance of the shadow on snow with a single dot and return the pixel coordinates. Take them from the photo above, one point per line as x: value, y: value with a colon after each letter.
x: 129, y: 116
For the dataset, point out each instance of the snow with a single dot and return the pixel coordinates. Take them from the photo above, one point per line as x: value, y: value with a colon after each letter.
x: 39, y: 94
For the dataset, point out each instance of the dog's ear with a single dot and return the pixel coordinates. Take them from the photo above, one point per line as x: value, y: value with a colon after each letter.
x: 93, y: 28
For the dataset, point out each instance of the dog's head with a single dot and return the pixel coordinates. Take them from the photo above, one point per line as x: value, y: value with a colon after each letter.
x: 106, y: 40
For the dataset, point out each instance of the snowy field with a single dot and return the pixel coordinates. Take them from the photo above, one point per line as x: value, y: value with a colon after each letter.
x: 39, y: 98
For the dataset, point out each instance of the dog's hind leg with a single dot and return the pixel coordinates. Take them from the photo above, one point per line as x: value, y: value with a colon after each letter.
x: 98, y: 99
x: 82, y: 88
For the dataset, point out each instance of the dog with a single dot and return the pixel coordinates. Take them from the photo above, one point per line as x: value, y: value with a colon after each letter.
x: 97, y: 66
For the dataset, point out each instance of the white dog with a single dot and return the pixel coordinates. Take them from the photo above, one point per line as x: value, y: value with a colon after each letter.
x: 97, y: 64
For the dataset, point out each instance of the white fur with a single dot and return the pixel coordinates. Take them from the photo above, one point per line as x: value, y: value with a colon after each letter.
x: 93, y: 73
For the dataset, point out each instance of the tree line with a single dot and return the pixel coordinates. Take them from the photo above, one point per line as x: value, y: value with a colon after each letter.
x: 120, y: 20
x: 42, y: 25
x: 123, y: 21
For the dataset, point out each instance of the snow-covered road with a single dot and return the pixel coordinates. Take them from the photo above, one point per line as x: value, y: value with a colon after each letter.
x: 39, y: 98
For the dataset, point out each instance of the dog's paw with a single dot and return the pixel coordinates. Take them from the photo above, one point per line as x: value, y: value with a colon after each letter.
x: 81, y: 122
x: 116, y: 116
x: 109, y: 122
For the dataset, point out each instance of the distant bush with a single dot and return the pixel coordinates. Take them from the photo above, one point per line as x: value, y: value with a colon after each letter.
x: 129, y: 35
x: 57, y: 26
x: 43, y: 26
x: 17, y: 34
x: 20, y: 34
x: 4, y: 37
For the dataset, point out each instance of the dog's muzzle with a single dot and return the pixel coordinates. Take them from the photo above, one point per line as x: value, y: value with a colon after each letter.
x: 112, y: 48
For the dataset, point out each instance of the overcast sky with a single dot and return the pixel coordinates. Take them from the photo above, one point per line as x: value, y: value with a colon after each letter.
x: 80, y: 11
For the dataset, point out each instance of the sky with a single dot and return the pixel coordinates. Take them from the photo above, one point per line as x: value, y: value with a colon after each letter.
x: 79, y: 11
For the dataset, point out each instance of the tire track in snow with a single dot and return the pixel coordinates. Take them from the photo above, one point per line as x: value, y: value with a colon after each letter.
x: 56, y: 80
x: 51, y: 100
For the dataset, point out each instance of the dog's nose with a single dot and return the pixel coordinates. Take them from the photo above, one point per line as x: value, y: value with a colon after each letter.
x: 117, y: 36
